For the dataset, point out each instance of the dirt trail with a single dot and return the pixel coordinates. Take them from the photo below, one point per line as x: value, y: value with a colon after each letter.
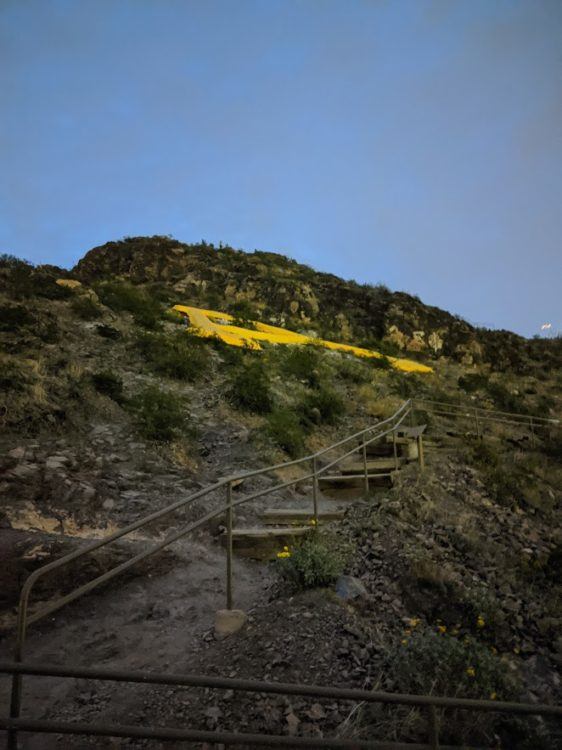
x: 155, y: 622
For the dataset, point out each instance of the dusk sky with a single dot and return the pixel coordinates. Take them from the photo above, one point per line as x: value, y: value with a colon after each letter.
x: 416, y: 143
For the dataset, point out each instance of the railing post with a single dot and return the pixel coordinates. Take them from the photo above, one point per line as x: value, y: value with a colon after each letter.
x: 477, y: 423
x: 365, y: 468
x: 532, y: 426
x: 315, y: 491
x: 421, y: 459
x: 433, y: 728
x: 395, y: 449
x: 229, y: 545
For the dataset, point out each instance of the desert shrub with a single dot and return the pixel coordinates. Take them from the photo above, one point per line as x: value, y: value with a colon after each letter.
x: 285, y: 429
x: 380, y: 363
x: 484, y: 454
x: 313, y: 562
x: 14, y: 318
x: 250, y: 388
x: 321, y: 406
x: 427, y: 662
x: 502, y: 485
x: 472, y: 382
x: 405, y: 385
x: 504, y: 400
x: 354, y: 370
x: 85, y: 307
x: 181, y: 355
x: 122, y: 296
x: 430, y: 662
x: 108, y: 332
x: 109, y: 384
x: 303, y: 363
x: 159, y: 415
x: 244, y: 313
x: 552, y: 444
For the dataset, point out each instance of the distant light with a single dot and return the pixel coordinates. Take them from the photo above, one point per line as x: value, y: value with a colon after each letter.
x: 546, y: 326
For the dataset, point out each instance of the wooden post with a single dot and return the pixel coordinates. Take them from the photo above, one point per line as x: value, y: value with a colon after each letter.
x: 421, y: 460
x: 395, y: 450
x: 433, y: 728
x: 366, y: 470
x: 532, y: 426
x: 477, y: 423
x: 229, y: 545
x: 315, y: 492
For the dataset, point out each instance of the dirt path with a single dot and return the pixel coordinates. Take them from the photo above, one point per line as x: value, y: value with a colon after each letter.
x: 155, y: 622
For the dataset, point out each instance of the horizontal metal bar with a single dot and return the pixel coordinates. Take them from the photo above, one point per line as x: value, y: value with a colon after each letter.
x: 491, y: 412
x: 200, y: 735
x: 283, y: 688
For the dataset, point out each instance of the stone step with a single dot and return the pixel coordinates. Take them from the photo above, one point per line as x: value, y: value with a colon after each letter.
x: 264, y: 544
x: 374, y: 466
x: 299, y: 515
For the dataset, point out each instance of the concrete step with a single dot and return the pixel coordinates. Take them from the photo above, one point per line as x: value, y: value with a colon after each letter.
x: 351, y: 486
x: 299, y: 515
x: 264, y: 544
x: 374, y: 466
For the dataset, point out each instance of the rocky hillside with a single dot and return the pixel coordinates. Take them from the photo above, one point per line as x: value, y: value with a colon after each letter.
x: 110, y: 409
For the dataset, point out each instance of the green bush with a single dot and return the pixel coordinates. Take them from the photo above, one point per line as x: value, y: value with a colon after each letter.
x: 244, y: 314
x: 109, y: 384
x: 159, y: 415
x: 122, y: 296
x: 354, y: 370
x: 284, y: 427
x: 181, y: 355
x: 429, y: 662
x: 15, y: 317
x: 504, y: 400
x: 473, y: 382
x: 380, y: 363
x: 322, y: 406
x: 85, y: 307
x: 250, y: 388
x: 303, y: 363
x: 314, y: 562
x: 426, y: 662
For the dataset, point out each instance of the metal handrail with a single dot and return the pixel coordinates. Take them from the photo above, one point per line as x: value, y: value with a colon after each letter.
x: 428, y: 702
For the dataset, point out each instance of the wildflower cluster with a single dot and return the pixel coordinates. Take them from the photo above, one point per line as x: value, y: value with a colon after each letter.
x: 285, y: 552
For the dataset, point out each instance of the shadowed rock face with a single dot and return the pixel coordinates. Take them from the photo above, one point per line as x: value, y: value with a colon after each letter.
x: 288, y: 293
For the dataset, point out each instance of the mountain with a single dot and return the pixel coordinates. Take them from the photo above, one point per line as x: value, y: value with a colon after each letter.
x: 112, y: 408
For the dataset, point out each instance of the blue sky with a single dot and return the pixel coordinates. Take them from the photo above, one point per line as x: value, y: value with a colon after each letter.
x: 412, y: 142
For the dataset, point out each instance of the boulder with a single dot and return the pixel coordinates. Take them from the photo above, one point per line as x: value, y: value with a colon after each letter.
x: 228, y: 622
x: 349, y: 587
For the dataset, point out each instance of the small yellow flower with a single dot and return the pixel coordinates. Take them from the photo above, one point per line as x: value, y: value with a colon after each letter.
x: 442, y: 629
x: 408, y: 632
x: 471, y: 672
x: 404, y: 641
x: 493, y: 696
x: 516, y: 649
x: 313, y: 522
x: 284, y: 553
x: 480, y: 622
x: 414, y: 622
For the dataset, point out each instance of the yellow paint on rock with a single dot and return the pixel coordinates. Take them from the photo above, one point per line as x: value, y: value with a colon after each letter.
x: 210, y: 323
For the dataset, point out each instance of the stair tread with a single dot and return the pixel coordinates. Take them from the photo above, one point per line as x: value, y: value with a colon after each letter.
x: 257, y: 532
x: 298, y: 512
x: 379, y: 463
x: 329, y: 478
